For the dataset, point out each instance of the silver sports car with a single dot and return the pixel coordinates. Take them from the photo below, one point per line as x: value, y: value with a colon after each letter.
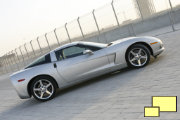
x: 79, y: 61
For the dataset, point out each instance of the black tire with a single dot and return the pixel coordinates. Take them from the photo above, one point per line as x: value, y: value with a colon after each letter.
x: 37, y: 88
x: 135, y: 59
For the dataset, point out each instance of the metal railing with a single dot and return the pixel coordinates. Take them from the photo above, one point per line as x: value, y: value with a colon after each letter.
x: 110, y: 22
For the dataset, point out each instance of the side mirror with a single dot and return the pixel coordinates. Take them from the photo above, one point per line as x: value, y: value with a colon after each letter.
x: 88, y: 52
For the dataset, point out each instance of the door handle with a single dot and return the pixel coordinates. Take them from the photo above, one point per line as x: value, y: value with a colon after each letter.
x: 55, y: 66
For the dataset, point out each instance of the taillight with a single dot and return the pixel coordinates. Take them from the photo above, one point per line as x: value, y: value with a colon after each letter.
x: 21, y: 80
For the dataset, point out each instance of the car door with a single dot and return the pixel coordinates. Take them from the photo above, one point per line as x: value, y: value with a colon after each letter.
x: 73, y: 65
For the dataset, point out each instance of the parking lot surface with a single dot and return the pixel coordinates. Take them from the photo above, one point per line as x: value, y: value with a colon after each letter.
x: 118, y: 96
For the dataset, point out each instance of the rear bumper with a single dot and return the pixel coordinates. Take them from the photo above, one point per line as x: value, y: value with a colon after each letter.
x: 158, y: 52
x: 23, y: 96
x: 21, y: 89
x: 22, y: 92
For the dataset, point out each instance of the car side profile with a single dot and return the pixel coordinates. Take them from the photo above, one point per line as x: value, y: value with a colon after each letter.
x: 76, y: 62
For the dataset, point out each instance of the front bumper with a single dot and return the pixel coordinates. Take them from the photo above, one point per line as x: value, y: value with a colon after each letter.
x: 158, y: 52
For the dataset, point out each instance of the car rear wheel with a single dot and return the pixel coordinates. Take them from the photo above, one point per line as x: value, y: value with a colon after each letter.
x: 138, y: 56
x: 43, y: 88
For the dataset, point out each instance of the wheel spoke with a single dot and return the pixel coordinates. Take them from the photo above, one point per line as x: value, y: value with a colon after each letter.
x: 48, y: 85
x: 139, y: 62
x: 37, y: 89
x: 41, y: 83
x: 48, y: 92
x: 143, y: 57
x: 42, y: 93
x: 133, y: 53
x: 139, y: 52
x: 133, y: 59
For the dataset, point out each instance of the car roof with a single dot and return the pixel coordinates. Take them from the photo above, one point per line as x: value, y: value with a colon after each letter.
x: 81, y: 43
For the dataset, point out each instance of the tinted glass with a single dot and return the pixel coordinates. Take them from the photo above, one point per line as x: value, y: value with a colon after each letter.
x: 40, y: 61
x: 59, y: 55
x: 93, y: 48
x: 72, y: 51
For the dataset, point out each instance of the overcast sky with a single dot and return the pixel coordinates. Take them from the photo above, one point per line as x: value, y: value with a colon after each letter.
x: 24, y: 20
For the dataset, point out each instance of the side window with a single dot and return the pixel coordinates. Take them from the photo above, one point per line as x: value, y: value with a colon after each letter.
x: 59, y: 55
x: 69, y: 52
x: 72, y: 51
x: 93, y: 48
x: 40, y: 61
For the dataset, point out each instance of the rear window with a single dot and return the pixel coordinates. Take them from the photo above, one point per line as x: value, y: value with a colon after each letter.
x: 42, y: 60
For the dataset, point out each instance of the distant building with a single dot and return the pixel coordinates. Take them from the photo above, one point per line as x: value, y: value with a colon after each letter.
x: 146, y: 7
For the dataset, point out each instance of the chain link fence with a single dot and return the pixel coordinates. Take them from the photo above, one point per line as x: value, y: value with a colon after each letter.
x: 113, y: 21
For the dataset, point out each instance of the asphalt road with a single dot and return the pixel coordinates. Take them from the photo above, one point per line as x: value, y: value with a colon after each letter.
x: 118, y: 96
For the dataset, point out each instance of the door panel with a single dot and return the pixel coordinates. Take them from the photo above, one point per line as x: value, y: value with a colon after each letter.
x: 84, y: 66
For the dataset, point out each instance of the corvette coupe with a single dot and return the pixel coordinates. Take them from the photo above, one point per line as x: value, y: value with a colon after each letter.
x: 76, y: 62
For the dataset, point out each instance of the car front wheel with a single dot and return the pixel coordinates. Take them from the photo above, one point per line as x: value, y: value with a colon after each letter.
x: 43, y: 88
x: 138, y: 56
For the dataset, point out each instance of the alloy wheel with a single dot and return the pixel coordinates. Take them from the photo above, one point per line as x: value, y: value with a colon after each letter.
x: 137, y: 57
x: 43, y: 89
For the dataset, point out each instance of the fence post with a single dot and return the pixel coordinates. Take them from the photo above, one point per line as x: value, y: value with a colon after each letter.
x: 22, y: 56
x: 140, y: 10
x: 47, y: 41
x: 10, y: 59
x: 17, y: 56
x: 67, y: 32
x: 5, y: 64
x: 32, y: 48
x: 9, y: 62
x: 26, y: 50
x: 80, y: 27
x: 96, y: 23
x: 112, y: 4
x: 39, y: 45
x: 15, y: 59
x: 56, y: 37
x: 171, y: 15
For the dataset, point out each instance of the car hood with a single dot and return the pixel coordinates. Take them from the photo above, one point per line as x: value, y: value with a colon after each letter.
x: 131, y: 38
x: 121, y: 40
